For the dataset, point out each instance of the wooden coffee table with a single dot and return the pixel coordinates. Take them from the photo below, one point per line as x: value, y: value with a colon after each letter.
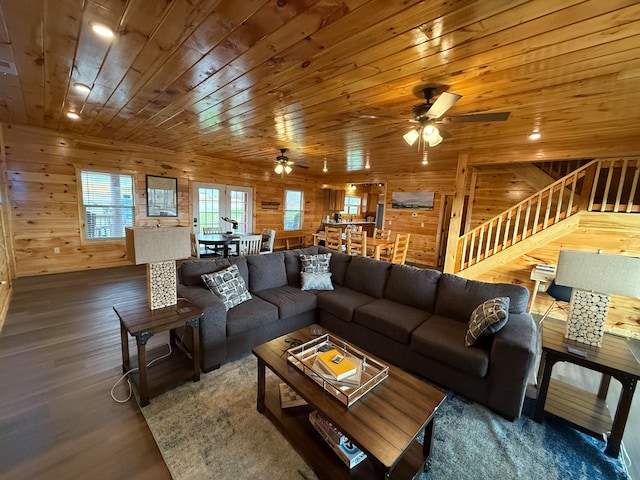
x: 384, y: 423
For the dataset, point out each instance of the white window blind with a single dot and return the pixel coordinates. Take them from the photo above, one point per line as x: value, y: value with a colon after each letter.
x: 107, y: 199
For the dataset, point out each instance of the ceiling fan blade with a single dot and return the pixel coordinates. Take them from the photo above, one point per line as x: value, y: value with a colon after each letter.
x: 444, y: 102
x: 478, y: 117
x: 301, y: 164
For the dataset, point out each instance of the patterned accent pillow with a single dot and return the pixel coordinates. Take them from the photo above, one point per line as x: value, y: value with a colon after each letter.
x: 318, y: 263
x: 316, y: 281
x: 229, y: 285
x: 487, y: 319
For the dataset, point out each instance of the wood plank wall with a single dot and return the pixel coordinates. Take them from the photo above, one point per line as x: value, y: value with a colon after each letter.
x: 6, y: 265
x: 43, y: 194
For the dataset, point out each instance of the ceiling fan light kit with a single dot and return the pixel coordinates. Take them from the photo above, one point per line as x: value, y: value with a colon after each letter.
x: 425, y: 114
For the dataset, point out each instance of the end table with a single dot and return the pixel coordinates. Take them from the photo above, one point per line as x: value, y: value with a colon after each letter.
x: 137, y: 320
x: 587, y: 411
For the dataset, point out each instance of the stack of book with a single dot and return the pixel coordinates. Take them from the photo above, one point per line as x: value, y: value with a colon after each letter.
x: 339, y: 443
x: 546, y: 268
x: 333, y: 365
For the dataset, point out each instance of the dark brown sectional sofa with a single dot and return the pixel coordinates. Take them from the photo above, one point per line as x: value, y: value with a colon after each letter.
x: 414, y: 318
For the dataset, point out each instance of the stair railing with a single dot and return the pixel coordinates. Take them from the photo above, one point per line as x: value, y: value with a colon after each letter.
x: 554, y: 203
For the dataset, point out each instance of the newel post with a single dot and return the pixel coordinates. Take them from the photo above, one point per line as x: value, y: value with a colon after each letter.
x: 456, y: 215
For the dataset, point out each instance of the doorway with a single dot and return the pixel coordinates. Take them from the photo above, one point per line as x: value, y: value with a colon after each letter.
x: 212, y: 202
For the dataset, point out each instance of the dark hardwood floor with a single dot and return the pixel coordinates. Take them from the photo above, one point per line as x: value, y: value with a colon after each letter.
x: 59, y: 357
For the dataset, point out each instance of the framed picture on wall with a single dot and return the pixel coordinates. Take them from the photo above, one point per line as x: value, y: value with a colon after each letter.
x: 412, y: 200
x: 162, y: 196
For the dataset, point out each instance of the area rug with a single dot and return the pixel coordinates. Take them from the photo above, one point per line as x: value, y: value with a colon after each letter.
x: 211, y: 430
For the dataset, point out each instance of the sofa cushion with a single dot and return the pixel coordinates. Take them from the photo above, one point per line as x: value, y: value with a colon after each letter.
x: 442, y: 339
x: 413, y: 286
x: 488, y: 317
x: 316, y: 281
x: 391, y: 319
x: 191, y: 271
x: 339, y: 265
x: 289, y: 300
x: 292, y: 262
x: 266, y: 271
x: 249, y: 315
x: 367, y: 276
x: 457, y: 297
x: 342, y: 302
x: 318, y: 263
x: 228, y: 285
x: 241, y: 263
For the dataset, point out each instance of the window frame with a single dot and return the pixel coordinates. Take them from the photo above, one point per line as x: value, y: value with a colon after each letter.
x: 82, y: 208
x: 347, y: 206
x: 285, y: 211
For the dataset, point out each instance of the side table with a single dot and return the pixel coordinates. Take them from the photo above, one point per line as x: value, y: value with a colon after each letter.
x: 586, y: 411
x: 137, y: 320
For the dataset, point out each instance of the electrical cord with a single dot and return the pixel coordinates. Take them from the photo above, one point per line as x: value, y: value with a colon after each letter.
x: 126, y: 374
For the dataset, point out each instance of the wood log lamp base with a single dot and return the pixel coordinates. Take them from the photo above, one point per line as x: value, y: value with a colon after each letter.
x: 587, y: 315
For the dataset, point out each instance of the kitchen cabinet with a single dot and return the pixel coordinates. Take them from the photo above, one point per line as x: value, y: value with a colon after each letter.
x: 370, y: 203
x: 334, y: 200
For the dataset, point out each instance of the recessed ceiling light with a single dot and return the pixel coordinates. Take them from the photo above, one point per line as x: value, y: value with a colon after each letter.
x: 535, y: 136
x: 81, y: 87
x: 102, y: 30
x: 73, y: 115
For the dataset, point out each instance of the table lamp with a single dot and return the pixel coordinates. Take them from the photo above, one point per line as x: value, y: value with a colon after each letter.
x: 159, y: 248
x: 593, y: 277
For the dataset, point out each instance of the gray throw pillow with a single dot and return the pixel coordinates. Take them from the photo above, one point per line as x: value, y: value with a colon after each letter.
x: 488, y: 318
x: 316, y: 281
x: 318, y: 263
x: 229, y: 285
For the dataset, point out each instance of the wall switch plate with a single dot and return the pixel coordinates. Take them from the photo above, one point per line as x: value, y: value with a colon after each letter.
x: 56, y: 249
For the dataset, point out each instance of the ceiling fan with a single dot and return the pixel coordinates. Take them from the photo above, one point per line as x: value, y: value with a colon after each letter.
x: 428, y: 114
x: 283, y: 164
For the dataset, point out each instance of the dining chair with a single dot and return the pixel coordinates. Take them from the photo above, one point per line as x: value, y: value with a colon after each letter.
x: 333, y: 238
x: 209, y: 231
x: 381, y: 233
x: 398, y: 253
x: 250, y: 244
x: 561, y: 299
x: 356, y: 243
x: 195, y: 246
x: 270, y: 236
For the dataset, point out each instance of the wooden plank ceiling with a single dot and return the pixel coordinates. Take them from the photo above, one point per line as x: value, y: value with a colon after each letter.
x: 330, y: 79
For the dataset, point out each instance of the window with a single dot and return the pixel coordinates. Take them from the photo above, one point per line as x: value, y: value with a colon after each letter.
x: 351, y: 205
x: 107, y: 199
x: 292, y: 210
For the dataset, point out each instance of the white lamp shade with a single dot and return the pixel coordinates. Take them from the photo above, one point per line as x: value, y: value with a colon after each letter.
x: 599, y: 272
x: 433, y: 141
x: 411, y: 136
x: 278, y: 168
x: 287, y: 169
x: 153, y: 244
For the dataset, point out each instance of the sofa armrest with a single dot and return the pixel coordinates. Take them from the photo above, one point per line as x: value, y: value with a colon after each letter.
x: 213, y: 326
x: 512, y: 356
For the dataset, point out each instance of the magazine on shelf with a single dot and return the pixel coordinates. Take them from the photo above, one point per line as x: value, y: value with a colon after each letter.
x: 340, y: 444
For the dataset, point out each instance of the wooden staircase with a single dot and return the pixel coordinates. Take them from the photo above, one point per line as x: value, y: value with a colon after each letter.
x: 599, y: 186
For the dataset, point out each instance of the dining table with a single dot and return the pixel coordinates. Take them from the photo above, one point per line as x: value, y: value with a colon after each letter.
x: 220, y: 240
